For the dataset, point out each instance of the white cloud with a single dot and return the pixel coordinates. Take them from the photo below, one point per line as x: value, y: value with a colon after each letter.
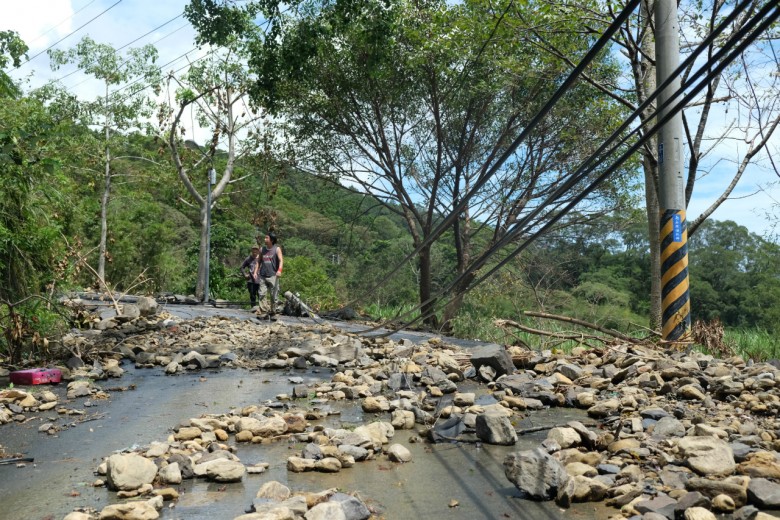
x: 39, y: 22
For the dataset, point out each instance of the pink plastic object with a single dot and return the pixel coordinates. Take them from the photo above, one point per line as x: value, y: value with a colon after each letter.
x: 36, y: 376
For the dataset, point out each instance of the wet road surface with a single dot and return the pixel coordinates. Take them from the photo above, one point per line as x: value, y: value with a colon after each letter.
x: 61, y: 477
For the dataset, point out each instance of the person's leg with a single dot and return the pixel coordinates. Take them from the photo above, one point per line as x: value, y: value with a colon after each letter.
x: 262, y: 289
x: 255, y: 292
x: 273, y: 287
x: 252, y: 288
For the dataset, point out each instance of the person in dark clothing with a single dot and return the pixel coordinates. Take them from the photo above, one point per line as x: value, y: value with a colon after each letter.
x: 271, y: 264
x: 250, y: 270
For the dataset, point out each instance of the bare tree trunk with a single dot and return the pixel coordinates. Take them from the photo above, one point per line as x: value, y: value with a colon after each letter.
x: 426, y: 291
x: 654, y: 234
x: 101, y: 271
x: 650, y: 165
x: 200, y: 287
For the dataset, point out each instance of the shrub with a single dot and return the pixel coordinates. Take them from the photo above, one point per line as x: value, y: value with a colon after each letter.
x: 301, y: 275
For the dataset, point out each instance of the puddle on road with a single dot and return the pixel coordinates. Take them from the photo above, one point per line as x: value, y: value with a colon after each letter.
x: 60, y: 480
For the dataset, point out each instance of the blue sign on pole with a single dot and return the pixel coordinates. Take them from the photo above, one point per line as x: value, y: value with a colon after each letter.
x: 676, y: 228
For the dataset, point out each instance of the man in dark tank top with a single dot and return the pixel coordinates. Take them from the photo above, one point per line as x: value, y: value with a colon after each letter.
x: 271, y: 264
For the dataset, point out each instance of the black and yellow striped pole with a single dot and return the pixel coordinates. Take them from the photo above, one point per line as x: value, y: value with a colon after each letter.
x: 675, y: 303
x: 675, y: 299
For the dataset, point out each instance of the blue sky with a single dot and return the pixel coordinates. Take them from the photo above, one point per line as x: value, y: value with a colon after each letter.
x: 42, y: 23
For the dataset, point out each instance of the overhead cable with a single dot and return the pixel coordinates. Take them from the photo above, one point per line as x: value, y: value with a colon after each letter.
x: 488, y: 171
x: 61, y: 22
x: 589, y: 165
x: 70, y: 34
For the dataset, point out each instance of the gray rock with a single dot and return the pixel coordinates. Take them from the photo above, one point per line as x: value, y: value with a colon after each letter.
x: 300, y: 391
x: 674, y: 478
x: 128, y: 472
x: 353, y: 508
x: 565, y: 437
x: 224, y: 470
x: 689, y: 500
x: 343, y: 352
x: 185, y: 465
x: 569, y: 370
x: 146, y: 306
x: 707, y: 455
x: 745, y: 513
x: 662, y: 504
x: 668, y: 427
x: 274, y: 490
x: 326, y: 511
x: 494, y: 356
x: 535, y: 473
x: 740, y: 451
x: 654, y: 516
x: 494, y: 428
x: 355, y: 452
x: 608, y: 469
x: 129, y: 312
x: 398, y: 381
x: 487, y: 373
x: 171, y: 474
x: 399, y: 453
x: 764, y: 493
x: 312, y: 451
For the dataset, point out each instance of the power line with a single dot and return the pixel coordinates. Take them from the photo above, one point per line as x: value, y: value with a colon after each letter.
x: 70, y: 34
x: 126, y: 45
x: 153, y: 30
x: 61, y: 22
x: 160, y: 70
x: 585, y: 169
x: 488, y: 171
x: 729, y: 57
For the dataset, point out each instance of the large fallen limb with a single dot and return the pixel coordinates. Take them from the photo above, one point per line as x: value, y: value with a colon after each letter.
x: 579, y: 337
x: 582, y: 323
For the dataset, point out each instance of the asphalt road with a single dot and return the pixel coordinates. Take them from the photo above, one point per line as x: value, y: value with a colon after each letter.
x: 439, y: 476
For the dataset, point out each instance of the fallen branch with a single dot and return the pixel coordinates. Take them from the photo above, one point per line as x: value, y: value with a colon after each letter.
x: 550, y: 427
x: 582, y: 323
x: 579, y: 337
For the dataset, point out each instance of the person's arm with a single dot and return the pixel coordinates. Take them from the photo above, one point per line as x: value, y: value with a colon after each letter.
x: 281, y: 260
x: 244, y: 266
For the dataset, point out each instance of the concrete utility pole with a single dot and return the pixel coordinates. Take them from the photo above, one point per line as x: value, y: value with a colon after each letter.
x: 675, y: 302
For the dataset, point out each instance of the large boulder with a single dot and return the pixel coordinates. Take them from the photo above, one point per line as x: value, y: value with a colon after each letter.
x: 495, y: 428
x: 129, y: 471
x: 147, y: 306
x: 707, y: 456
x: 495, y: 356
x: 535, y: 473
x: 764, y: 493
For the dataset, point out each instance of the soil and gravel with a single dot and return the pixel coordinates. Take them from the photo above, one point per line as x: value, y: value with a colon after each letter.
x: 623, y: 431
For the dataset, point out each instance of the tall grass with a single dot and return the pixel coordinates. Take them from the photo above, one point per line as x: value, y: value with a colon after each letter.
x: 386, y: 313
x: 755, y: 344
